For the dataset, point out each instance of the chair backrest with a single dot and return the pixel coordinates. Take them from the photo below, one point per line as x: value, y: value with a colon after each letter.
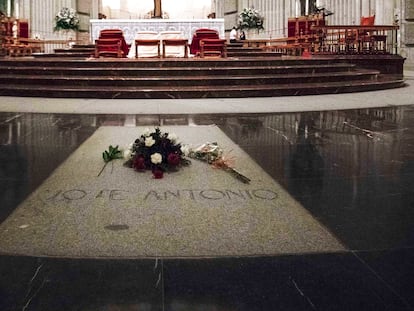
x: 171, y: 35
x: 200, y: 34
x: 367, y: 21
x: 207, y: 33
x: 115, y: 30
x: 115, y: 34
x: 147, y: 35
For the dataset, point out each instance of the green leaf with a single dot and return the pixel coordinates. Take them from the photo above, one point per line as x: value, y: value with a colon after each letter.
x: 111, y: 154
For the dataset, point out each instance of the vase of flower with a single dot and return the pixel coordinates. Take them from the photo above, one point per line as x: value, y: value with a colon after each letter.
x: 251, y: 22
x: 66, y: 20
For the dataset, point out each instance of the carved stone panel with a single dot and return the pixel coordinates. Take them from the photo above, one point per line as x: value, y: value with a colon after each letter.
x: 409, y: 9
x: 409, y: 34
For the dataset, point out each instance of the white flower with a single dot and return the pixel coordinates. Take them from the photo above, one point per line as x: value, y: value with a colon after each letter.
x: 146, y: 132
x: 127, y: 153
x: 172, y: 137
x: 149, y: 141
x: 186, y: 150
x: 156, y: 158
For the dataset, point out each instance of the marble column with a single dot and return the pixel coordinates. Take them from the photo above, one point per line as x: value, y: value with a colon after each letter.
x: 9, y: 8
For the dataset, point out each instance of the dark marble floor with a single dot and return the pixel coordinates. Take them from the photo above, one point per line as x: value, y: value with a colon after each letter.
x: 353, y: 170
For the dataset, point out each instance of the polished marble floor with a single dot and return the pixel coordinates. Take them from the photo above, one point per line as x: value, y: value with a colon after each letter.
x: 353, y: 170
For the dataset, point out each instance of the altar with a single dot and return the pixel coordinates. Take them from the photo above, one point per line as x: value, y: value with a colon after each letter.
x: 131, y: 26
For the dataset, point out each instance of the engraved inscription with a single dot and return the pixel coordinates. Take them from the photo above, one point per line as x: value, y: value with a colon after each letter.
x: 76, y: 195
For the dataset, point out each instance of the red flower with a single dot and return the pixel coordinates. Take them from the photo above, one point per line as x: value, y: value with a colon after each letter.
x: 139, y: 163
x: 157, y: 173
x: 173, y: 159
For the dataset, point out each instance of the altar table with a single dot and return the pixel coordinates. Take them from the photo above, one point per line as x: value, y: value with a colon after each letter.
x: 131, y: 27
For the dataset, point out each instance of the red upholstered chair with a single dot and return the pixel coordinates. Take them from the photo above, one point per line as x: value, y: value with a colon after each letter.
x: 365, y: 39
x: 200, y: 34
x: 213, y: 47
x: 108, y: 48
x: 115, y: 34
x: 367, y: 21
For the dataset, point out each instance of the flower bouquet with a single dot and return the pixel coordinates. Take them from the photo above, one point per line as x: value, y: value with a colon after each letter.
x: 250, y: 18
x: 161, y: 152
x: 214, y: 155
x: 156, y: 151
x: 66, y: 19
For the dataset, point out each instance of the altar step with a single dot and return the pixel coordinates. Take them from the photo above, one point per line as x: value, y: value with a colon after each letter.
x: 237, y: 50
x: 180, y: 78
x: 87, y: 50
x: 219, y: 91
x: 76, y: 51
x: 172, y: 77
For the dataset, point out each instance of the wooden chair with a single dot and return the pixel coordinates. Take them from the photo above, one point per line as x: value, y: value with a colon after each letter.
x: 365, y: 39
x: 200, y: 34
x: 108, y: 48
x: 213, y: 47
x: 173, y: 44
x: 147, y: 42
x: 115, y: 34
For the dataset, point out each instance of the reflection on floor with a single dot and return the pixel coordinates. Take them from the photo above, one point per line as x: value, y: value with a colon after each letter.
x: 352, y: 170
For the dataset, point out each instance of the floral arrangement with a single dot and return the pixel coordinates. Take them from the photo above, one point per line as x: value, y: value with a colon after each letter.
x: 250, y: 18
x: 66, y: 19
x: 155, y: 151
x: 161, y: 152
x: 214, y: 155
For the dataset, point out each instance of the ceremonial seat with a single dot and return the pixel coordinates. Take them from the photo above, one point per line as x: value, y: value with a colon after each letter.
x: 200, y: 34
x: 366, y: 40
x: 115, y: 34
x: 173, y: 44
x: 145, y: 44
x: 213, y: 47
x: 108, y: 48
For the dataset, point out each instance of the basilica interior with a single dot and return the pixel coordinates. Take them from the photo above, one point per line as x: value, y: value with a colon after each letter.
x: 273, y: 172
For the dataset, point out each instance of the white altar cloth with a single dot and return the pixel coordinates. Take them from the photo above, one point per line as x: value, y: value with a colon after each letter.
x: 131, y: 27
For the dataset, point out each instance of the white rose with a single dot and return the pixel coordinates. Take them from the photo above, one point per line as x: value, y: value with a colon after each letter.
x: 127, y: 153
x: 156, y: 158
x: 186, y: 150
x: 149, y: 141
x: 146, y: 132
x: 172, y: 137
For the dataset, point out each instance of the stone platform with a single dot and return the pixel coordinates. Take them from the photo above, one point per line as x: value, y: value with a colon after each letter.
x: 178, y: 78
x: 197, y: 211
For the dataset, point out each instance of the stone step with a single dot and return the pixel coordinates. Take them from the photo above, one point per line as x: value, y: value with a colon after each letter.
x: 218, y: 91
x: 194, y: 77
x: 244, y: 49
x: 79, y: 55
x: 172, y: 71
x: 74, y: 50
x: 178, y: 81
x: 89, y: 46
x: 254, y: 54
x: 171, y: 62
